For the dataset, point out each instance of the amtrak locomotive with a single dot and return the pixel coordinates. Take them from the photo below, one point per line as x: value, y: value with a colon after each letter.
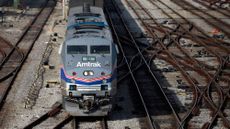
x: 88, y: 63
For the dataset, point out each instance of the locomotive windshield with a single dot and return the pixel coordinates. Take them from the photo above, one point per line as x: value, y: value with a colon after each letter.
x: 103, y: 49
x: 76, y: 49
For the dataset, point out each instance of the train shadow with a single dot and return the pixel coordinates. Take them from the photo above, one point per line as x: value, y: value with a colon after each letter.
x: 127, y: 103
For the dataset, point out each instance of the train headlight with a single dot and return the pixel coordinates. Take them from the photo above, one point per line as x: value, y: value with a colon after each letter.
x: 91, y: 73
x: 85, y: 73
x: 88, y: 73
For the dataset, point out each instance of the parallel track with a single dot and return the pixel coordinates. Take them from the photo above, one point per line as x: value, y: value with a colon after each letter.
x: 216, y: 3
x: 208, y: 5
x: 14, y: 60
x: 136, y: 59
x: 181, y: 65
x: 215, y: 22
x: 56, y: 109
x: 150, y: 84
x: 75, y: 120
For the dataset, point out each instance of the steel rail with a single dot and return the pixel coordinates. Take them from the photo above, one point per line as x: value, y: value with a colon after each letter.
x: 142, y: 8
x: 209, y: 7
x: 151, y: 123
x: 56, y: 109
x: 64, y: 122
x: 204, y: 39
x: 181, y: 3
x: 78, y: 119
x: 24, y: 33
x: 139, y: 66
x: 224, y: 118
x: 217, y: 74
x: 197, y: 40
x: 202, y: 64
x: 219, y: 42
x: 176, y: 41
x: 214, y: 2
x: 40, y: 16
x: 2, y: 51
x: 163, y: 46
x: 104, y: 123
x: 5, y: 53
x: 193, y: 37
x: 190, y: 60
x: 149, y: 70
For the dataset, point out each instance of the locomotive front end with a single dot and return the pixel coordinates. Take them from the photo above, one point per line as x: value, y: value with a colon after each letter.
x: 90, y: 77
x: 88, y: 73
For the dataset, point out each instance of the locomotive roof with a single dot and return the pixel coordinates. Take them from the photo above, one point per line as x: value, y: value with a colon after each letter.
x: 89, y: 41
x: 87, y: 24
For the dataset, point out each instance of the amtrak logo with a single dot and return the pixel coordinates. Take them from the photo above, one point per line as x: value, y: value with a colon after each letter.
x: 88, y: 64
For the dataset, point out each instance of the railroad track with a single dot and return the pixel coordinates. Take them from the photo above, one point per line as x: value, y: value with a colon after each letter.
x: 76, y: 121
x: 217, y: 8
x: 152, y: 82
x: 212, y: 20
x: 14, y: 60
x: 178, y: 62
x: 56, y: 109
x: 10, y: 60
x: 102, y: 124
x: 216, y: 3
x: 156, y: 102
x: 5, y: 50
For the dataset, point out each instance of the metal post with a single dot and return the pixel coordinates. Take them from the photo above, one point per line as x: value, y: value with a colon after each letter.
x: 63, y: 8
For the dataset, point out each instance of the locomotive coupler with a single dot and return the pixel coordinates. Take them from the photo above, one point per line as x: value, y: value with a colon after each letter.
x: 88, y: 102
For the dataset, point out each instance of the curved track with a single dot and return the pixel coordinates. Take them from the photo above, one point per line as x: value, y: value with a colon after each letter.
x: 150, y: 88
x: 182, y: 47
x: 213, y: 94
x: 14, y: 59
x: 5, y: 49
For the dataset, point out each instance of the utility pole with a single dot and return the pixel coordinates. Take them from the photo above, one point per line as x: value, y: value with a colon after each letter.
x: 64, y: 8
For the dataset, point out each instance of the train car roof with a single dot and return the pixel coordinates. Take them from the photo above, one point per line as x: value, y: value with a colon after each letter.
x: 88, y: 41
x: 88, y: 24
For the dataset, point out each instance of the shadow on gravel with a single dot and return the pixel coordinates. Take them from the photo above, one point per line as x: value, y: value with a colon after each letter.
x: 127, y: 103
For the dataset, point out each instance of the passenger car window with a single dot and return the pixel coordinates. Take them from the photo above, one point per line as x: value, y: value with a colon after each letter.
x: 76, y: 49
x: 103, y: 49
